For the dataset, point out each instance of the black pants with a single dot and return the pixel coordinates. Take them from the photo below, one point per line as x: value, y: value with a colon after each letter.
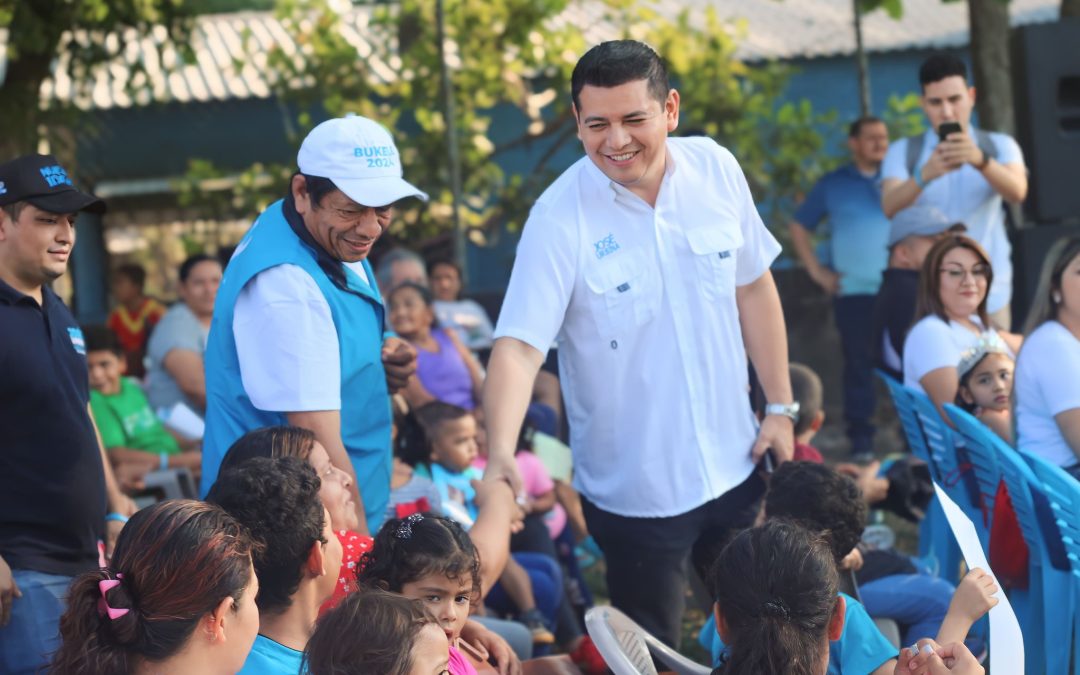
x: 647, y: 557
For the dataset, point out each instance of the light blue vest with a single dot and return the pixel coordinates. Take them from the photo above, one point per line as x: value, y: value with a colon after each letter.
x: 359, y: 320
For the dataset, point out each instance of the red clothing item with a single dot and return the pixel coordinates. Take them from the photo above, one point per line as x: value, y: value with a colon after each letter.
x: 804, y: 452
x: 353, y: 546
x: 132, y: 329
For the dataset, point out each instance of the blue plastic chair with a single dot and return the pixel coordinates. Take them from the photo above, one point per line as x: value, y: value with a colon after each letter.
x: 1063, y: 493
x: 935, y: 538
x: 988, y: 449
x: 957, y: 475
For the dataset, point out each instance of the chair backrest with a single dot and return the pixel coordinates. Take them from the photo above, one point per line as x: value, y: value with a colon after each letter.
x: 628, y: 649
x: 1063, y: 493
x: 905, y: 411
x: 978, y: 443
x: 955, y: 473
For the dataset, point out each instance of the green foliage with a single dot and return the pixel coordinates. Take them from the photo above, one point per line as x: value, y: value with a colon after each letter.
x: 904, y: 116
x: 512, y: 59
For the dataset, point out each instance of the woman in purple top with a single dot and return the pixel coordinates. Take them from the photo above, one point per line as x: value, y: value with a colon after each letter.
x: 445, y: 370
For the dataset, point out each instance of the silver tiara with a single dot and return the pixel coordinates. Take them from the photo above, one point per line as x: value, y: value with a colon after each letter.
x: 988, y: 343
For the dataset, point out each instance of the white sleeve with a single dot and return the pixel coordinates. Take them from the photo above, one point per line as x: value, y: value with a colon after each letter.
x: 1057, y: 370
x: 541, y: 283
x: 287, y: 343
x: 760, y: 247
x: 929, y: 346
x: 895, y: 163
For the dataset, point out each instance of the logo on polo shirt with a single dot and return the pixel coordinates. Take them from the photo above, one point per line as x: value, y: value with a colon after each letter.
x: 378, y: 156
x: 77, y: 341
x: 606, y: 246
x: 55, y: 175
x: 3, y: 188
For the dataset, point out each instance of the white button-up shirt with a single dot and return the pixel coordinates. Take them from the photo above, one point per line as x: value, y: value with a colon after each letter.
x: 641, y: 302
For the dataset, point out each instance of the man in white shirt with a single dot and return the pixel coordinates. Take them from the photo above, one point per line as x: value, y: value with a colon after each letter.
x: 649, y: 264
x: 299, y: 331
x: 966, y: 176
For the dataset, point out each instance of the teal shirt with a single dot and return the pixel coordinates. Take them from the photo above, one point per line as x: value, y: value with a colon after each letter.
x: 858, y: 230
x: 358, y: 315
x: 861, y: 648
x: 271, y: 658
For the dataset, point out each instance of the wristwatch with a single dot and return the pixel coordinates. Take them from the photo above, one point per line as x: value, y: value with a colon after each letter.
x: 789, y: 410
x: 985, y: 160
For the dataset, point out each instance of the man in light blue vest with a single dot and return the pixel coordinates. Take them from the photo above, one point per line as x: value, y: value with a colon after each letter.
x: 298, y: 335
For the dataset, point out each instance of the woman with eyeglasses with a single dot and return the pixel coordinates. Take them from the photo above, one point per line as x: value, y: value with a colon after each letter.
x: 1048, y: 369
x: 950, y: 316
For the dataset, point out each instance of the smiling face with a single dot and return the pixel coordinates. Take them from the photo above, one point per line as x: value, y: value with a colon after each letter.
x: 334, y: 490
x: 430, y: 653
x: 410, y: 316
x: 989, y: 385
x: 454, y: 445
x: 624, y: 131
x: 35, y: 246
x: 105, y: 368
x: 948, y: 100
x: 963, y: 282
x: 447, y: 599
x: 344, y: 229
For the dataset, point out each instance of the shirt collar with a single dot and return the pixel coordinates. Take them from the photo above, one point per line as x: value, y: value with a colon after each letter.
x: 614, y: 190
x: 9, y: 295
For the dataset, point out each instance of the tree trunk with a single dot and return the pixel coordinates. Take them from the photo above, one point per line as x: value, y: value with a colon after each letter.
x: 1070, y: 8
x: 989, y: 20
x: 20, y: 108
x: 861, y: 64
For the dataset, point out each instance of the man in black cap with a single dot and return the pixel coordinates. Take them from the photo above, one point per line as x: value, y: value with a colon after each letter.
x: 54, y: 478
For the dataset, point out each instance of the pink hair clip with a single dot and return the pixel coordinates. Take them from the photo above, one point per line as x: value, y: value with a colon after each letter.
x: 103, y: 605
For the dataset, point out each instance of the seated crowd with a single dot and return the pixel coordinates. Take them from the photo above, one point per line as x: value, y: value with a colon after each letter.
x: 273, y: 573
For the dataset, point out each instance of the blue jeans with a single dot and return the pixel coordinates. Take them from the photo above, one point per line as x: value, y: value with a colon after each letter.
x: 28, y: 642
x: 916, y: 601
x: 853, y: 322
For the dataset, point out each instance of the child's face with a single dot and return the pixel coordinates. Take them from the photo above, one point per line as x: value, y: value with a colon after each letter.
x: 431, y: 652
x: 105, y: 370
x: 447, y: 599
x: 990, y: 384
x: 454, y: 446
x: 332, y: 557
x: 409, y: 314
x: 124, y: 289
x: 334, y: 490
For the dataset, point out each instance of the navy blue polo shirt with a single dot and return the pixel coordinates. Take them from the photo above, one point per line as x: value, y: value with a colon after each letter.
x: 52, y: 485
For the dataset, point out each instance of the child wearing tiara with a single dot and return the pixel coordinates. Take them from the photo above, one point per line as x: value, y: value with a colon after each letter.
x: 986, y: 384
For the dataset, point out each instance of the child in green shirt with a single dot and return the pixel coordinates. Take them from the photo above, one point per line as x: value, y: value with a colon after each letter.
x: 134, y: 437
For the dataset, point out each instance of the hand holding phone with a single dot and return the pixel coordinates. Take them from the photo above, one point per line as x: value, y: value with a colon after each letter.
x: 947, y: 128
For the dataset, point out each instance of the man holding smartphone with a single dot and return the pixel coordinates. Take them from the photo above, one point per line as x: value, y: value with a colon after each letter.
x: 962, y: 171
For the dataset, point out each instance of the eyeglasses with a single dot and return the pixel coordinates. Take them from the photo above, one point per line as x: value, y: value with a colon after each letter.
x: 958, y: 273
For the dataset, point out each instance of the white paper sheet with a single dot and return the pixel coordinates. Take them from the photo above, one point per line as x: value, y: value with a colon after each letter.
x: 1006, y: 640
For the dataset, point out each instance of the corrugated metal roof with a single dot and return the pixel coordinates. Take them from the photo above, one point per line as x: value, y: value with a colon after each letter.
x: 231, y: 49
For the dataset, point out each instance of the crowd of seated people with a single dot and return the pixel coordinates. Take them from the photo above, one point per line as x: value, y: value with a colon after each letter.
x: 467, y: 577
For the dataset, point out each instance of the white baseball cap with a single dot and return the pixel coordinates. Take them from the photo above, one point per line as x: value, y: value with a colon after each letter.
x: 360, y: 157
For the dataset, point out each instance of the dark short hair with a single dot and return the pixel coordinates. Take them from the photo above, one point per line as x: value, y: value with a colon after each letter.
x: 928, y: 300
x: 939, y: 66
x: 610, y: 64
x: 318, y: 187
x: 443, y: 262
x: 857, y: 126
x: 133, y: 272
x: 409, y: 549
x: 821, y: 500
x: 15, y: 209
x: 807, y: 390
x: 419, y: 428
x: 99, y: 338
x: 370, y: 633
x: 277, y: 500
x: 191, y: 262
x: 276, y: 441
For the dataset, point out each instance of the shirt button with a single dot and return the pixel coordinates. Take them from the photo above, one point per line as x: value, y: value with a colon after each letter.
x: 614, y: 344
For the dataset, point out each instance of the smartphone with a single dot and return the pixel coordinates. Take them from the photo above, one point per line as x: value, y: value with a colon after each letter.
x: 768, y: 462
x: 947, y: 128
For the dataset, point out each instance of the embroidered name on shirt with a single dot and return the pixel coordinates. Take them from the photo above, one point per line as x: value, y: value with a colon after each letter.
x: 77, y: 341
x: 606, y: 246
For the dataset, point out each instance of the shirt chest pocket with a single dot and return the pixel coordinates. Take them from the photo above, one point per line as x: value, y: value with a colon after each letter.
x: 715, y: 249
x: 624, y: 293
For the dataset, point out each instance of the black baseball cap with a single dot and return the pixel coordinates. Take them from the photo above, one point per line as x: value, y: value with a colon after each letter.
x: 40, y: 180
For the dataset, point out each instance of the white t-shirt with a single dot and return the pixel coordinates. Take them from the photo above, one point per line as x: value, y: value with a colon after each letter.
x: 1047, y: 384
x: 642, y: 301
x: 286, y: 341
x: 965, y: 196
x: 933, y: 343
